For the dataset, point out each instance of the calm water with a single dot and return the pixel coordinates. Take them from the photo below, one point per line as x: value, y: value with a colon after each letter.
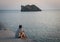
x: 41, y: 26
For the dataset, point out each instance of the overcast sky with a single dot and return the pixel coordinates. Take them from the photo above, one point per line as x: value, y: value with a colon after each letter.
x: 16, y: 4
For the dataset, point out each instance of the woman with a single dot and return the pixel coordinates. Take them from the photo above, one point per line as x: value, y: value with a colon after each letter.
x: 20, y: 33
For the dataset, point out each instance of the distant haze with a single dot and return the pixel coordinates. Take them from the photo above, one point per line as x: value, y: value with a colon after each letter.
x: 16, y: 4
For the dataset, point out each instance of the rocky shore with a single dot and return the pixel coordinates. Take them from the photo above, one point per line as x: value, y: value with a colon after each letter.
x: 9, y: 36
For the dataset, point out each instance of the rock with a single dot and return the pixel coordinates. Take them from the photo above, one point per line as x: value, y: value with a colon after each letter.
x: 30, y: 8
x: 6, y: 34
x: 9, y: 36
x: 2, y: 26
x: 17, y: 40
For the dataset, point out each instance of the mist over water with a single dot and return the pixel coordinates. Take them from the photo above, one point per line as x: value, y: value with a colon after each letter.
x: 37, y: 25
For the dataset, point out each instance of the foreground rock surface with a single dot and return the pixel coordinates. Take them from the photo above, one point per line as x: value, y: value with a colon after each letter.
x: 16, y: 40
x: 6, y: 34
x: 9, y: 36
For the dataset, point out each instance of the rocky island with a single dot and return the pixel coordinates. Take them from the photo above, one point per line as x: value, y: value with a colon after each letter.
x: 30, y: 8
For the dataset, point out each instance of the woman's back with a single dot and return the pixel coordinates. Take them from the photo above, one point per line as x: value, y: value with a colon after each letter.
x: 18, y: 30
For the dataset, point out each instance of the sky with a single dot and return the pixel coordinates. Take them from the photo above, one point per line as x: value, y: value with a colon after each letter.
x: 16, y: 4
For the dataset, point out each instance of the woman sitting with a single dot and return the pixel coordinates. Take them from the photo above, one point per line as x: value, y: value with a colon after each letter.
x: 20, y: 33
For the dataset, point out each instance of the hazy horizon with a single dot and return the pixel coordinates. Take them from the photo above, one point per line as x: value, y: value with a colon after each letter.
x: 16, y: 4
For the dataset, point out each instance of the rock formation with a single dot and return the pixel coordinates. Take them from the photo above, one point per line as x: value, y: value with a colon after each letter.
x: 30, y: 8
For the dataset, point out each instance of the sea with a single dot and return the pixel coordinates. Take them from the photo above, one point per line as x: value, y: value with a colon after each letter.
x: 41, y: 26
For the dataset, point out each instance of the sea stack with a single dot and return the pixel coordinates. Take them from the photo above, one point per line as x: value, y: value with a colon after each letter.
x: 30, y: 8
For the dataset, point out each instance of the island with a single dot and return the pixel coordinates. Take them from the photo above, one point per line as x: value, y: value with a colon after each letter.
x: 29, y: 8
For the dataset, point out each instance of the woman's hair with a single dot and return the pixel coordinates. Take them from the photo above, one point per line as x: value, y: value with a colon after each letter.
x: 20, y: 26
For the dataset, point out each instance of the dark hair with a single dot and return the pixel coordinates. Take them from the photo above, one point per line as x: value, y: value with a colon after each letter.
x: 20, y: 26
